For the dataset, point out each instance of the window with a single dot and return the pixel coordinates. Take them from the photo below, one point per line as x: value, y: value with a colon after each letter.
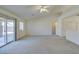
x: 21, y: 26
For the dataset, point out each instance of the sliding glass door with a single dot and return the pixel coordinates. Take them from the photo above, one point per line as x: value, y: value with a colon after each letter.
x: 2, y: 32
x: 7, y: 31
x: 10, y: 30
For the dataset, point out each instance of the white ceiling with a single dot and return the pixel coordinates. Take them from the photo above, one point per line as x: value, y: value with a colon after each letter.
x: 31, y: 11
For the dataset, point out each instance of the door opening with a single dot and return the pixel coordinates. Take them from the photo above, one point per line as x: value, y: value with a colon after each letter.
x: 54, y: 27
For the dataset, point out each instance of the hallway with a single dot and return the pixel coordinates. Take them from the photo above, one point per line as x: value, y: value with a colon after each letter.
x: 41, y: 44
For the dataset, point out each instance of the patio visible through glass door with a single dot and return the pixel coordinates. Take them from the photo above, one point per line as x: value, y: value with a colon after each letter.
x: 10, y: 30
x: 2, y: 32
x: 7, y: 31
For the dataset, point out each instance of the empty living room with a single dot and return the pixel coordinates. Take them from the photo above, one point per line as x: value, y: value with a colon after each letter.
x: 39, y: 29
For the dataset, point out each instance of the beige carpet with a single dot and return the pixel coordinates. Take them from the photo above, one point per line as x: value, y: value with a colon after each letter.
x: 41, y: 45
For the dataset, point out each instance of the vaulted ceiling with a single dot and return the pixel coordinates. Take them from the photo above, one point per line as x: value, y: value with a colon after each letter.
x: 33, y: 11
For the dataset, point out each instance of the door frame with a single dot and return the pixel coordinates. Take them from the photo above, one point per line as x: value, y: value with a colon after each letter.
x: 15, y: 32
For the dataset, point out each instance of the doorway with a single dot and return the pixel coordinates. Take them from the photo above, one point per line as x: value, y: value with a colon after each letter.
x: 7, y: 31
x: 54, y: 24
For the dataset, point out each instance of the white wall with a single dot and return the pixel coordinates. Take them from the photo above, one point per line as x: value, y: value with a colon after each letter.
x: 42, y: 26
x: 70, y: 27
x: 73, y: 37
x: 70, y: 24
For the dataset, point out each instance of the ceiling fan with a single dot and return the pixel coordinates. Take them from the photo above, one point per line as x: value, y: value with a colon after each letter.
x: 43, y: 8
